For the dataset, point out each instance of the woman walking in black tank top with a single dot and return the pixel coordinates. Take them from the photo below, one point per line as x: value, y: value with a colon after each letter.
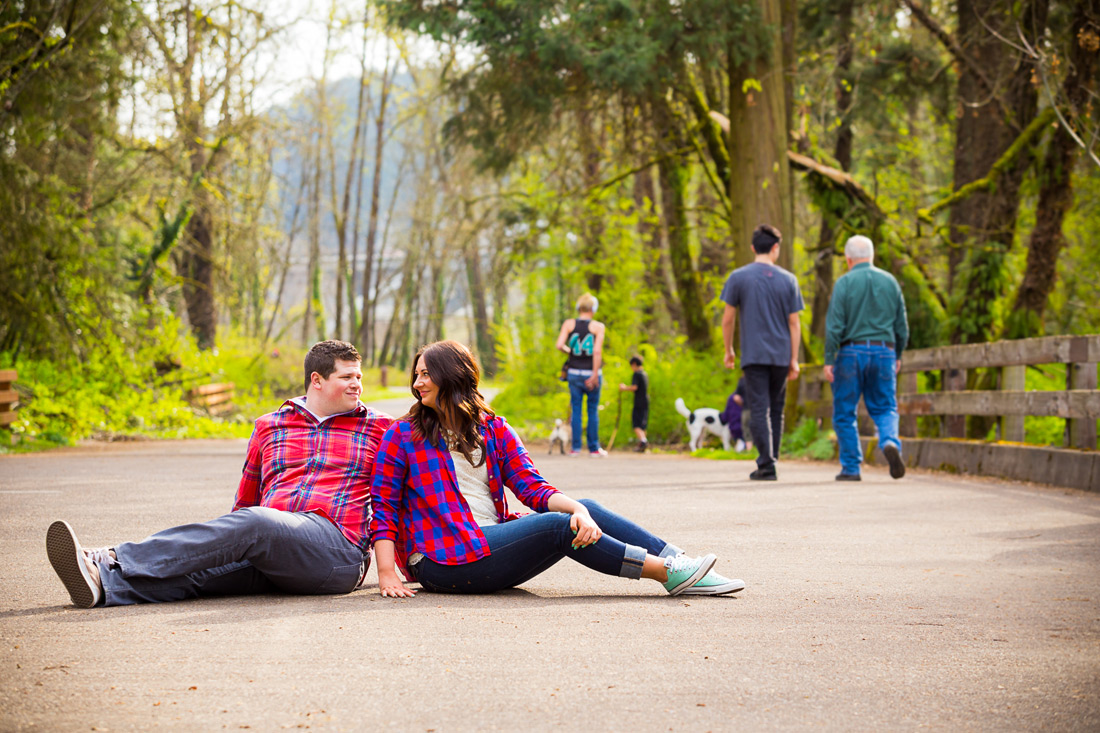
x: 582, y: 339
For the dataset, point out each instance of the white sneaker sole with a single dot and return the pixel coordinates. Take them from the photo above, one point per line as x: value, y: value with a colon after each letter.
x: 67, y: 558
x: 716, y: 590
x: 703, y: 569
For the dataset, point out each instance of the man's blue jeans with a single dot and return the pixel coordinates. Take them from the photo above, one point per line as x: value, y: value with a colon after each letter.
x: 870, y: 371
x: 577, y: 393
x: 253, y: 550
x: 523, y: 548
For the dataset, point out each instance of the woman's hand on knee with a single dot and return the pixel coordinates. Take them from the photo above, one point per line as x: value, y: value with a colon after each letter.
x: 585, y: 529
x: 390, y: 586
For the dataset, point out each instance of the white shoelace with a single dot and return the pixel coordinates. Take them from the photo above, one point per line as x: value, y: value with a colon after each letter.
x: 101, y: 555
x: 680, y: 563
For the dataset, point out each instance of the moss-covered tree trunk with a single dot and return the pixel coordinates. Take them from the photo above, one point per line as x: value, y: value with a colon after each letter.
x: 673, y: 176
x: 982, y: 226
x: 826, y: 241
x: 759, y: 189
x: 1056, y: 181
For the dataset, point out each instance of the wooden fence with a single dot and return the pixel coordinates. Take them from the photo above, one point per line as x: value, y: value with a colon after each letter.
x: 216, y: 399
x: 1076, y: 464
x: 9, y: 398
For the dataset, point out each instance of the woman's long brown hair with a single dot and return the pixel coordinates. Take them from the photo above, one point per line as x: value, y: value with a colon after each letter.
x: 460, y: 407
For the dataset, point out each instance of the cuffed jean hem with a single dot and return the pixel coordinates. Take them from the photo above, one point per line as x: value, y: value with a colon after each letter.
x: 633, y: 562
x: 670, y: 551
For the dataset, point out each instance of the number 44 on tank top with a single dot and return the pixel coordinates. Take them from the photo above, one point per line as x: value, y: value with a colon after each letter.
x: 581, y: 347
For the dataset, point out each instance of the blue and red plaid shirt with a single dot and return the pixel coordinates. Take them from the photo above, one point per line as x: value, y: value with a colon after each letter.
x: 297, y: 464
x: 416, y: 499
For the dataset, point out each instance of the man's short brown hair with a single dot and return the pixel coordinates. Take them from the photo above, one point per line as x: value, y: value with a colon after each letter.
x: 323, y: 356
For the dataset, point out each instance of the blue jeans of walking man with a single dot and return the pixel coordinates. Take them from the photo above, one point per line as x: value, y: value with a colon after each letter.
x: 869, y: 371
x: 577, y: 393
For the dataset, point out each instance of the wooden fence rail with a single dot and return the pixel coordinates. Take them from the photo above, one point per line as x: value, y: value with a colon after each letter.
x: 1078, y: 403
x: 216, y: 399
x: 9, y: 398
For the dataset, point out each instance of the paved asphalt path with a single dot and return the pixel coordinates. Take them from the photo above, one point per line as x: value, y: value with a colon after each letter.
x: 934, y: 601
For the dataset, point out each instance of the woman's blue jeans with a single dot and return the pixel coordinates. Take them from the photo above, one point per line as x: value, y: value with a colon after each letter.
x: 870, y: 371
x: 522, y: 548
x: 578, y: 392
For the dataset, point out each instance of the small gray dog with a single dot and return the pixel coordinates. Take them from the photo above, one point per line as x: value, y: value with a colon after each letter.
x: 561, y: 434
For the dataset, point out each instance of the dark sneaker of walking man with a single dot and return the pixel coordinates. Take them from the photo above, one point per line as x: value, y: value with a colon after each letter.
x: 299, y: 523
x: 865, y: 333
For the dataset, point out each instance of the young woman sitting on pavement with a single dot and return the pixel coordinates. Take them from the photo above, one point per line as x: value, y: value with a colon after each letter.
x: 439, y: 510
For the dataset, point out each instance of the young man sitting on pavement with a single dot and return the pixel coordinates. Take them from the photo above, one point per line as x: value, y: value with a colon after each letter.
x: 299, y: 523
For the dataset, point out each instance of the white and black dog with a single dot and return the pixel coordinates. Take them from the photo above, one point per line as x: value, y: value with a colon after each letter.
x: 702, y: 421
x: 561, y: 434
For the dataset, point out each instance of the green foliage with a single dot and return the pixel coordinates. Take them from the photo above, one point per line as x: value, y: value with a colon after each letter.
x: 721, y: 454
x: 808, y: 440
x: 136, y: 385
x: 539, y: 53
x: 534, y: 396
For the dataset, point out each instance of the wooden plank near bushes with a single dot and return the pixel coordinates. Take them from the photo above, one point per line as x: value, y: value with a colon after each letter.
x: 1080, y: 404
x: 216, y: 399
x: 1045, y: 350
x: 9, y: 398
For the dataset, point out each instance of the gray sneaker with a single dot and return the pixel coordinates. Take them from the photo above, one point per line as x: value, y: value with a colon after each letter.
x: 893, y: 457
x: 683, y: 571
x: 72, y: 565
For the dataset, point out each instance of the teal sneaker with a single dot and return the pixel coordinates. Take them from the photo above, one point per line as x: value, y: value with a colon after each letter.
x: 713, y: 584
x: 683, y: 571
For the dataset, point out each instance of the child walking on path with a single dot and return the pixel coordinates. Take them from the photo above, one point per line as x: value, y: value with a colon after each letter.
x: 639, y: 418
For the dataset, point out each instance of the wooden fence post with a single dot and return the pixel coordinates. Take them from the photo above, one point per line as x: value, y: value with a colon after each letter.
x: 1082, y: 433
x: 1012, y: 380
x: 954, y: 380
x: 907, y: 385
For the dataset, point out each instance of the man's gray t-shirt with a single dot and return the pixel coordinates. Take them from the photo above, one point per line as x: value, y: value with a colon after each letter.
x: 766, y: 296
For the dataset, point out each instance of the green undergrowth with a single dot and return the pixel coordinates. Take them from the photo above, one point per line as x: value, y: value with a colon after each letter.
x: 807, y: 440
x: 137, y: 387
x: 721, y: 454
x: 532, y: 395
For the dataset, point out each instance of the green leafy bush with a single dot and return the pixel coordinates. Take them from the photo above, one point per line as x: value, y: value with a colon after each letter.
x: 136, y: 385
x: 808, y: 440
x: 534, y: 396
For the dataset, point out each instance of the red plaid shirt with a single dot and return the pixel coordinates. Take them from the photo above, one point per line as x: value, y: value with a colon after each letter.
x: 416, y: 499
x: 296, y: 464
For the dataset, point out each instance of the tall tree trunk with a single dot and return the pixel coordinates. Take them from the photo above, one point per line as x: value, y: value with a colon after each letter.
x: 340, y: 214
x: 673, y: 175
x: 197, y: 257
x: 314, y: 315
x: 826, y: 242
x: 366, y: 336
x: 1056, y: 183
x: 591, y: 245
x: 483, y: 335
x: 656, y: 276
x: 982, y: 226
x: 759, y: 189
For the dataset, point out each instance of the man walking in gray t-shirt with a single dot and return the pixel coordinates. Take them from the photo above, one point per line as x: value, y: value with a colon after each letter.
x: 769, y: 300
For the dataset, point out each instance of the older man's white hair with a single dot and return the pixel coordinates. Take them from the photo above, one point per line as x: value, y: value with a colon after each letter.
x: 859, y: 247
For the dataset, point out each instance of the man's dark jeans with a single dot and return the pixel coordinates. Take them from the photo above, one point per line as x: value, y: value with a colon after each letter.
x: 766, y: 393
